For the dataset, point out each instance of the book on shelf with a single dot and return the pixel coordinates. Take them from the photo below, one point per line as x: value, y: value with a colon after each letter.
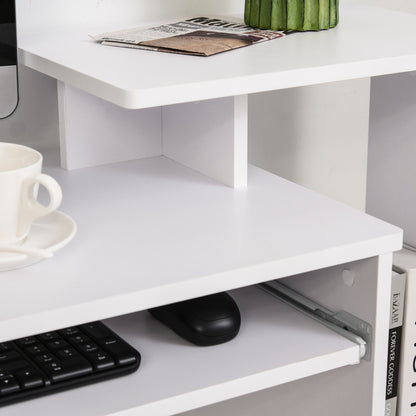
x: 200, y: 36
x: 405, y: 263
x: 397, y: 300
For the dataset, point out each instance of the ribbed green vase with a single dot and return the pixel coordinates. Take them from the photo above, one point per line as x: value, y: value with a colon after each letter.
x: 298, y: 15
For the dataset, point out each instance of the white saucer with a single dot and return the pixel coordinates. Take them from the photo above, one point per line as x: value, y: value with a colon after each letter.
x: 51, y: 232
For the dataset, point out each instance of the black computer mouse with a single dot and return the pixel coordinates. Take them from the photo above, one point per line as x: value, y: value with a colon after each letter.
x: 209, y: 320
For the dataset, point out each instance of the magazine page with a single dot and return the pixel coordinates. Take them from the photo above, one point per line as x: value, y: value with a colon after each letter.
x: 200, y: 36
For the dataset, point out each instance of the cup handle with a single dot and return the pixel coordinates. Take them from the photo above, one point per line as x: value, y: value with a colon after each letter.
x: 31, y: 208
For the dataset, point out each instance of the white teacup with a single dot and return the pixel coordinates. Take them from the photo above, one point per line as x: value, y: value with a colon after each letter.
x: 20, y: 176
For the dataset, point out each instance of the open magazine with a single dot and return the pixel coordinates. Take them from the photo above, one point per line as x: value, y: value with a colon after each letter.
x: 200, y: 36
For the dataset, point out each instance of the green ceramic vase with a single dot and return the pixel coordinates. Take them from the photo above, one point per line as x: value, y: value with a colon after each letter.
x: 298, y: 15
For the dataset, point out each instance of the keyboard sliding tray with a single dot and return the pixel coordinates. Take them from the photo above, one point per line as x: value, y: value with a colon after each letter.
x: 276, y: 344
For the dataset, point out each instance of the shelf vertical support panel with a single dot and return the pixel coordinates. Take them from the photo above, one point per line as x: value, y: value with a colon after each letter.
x: 96, y: 132
x: 210, y: 137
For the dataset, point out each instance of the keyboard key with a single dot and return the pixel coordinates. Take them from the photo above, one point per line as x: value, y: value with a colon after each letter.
x: 119, y: 350
x: 8, y: 385
x: 44, y: 358
x: 13, y: 366
x: 5, y: 346
x: 58, y: 344
x: 67, y: 353
x: 8, y: 356
x: 80, y: 339
x: 88, y: 347
x: 23, y: 342
x: 29, y: 378
x: 96, y: 330
x: 64, y: 370
x: 35, y: 349
x: 48, y: 336
x: 100, y: 359
x: 68, y: 332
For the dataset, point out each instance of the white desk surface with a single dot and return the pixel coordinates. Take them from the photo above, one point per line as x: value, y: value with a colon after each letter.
x: 369, y: 41
x: 153, y: 232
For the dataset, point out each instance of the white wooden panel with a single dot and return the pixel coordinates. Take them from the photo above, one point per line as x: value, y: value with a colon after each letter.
x: 359, y: 47
x: 276, y: 344
x: 95, y: 132
x: 210, y: 137
x: 152, y: 232
x: 316, y: 136
x: 392, y: 149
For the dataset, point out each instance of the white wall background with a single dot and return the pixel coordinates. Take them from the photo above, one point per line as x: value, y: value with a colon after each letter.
x: 392, y: 152
x: 392, y: 144
x: 35, y: 122
x: 316, y: 136
x: 36, y: 15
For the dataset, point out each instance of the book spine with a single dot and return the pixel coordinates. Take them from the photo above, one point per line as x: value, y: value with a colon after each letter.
x: 397, y: 299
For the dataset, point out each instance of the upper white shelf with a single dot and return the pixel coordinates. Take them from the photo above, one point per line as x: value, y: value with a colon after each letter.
x: 153, y: 232
x: 369, y: 41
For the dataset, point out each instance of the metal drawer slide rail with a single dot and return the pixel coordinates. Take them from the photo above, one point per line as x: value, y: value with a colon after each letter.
x: 343, y: 323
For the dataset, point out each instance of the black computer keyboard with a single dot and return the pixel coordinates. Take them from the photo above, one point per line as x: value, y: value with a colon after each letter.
x: 58, y: 360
